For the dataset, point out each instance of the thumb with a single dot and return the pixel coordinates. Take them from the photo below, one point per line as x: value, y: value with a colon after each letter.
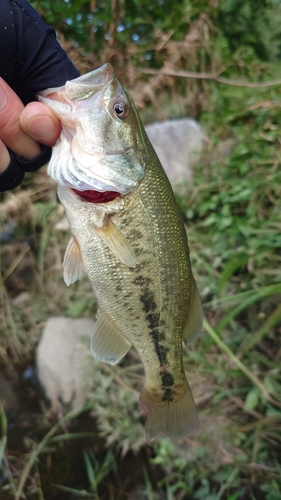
x: 40, y: 123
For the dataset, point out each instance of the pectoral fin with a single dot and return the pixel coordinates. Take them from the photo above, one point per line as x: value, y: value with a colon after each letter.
x: 195, y: 317
x: 73, y: 266
x: 108, y: 343
x: 118, y: 244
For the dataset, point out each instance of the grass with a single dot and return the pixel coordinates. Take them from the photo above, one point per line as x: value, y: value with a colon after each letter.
x: 233, y: 218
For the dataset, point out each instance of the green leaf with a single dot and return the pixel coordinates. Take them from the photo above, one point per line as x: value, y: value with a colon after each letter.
x: 252, y: 399
x: 235, y: 495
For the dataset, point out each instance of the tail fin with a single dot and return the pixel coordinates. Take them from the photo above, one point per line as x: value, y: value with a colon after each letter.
x: 174, y: 419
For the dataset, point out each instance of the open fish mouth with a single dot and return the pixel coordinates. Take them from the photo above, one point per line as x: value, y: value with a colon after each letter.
x: 92, y: 196
x: 78, y: 198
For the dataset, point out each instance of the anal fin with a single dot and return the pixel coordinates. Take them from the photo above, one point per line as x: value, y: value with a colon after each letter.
x: 108, y: 342
x: 118, y: 243
x: 73, y: 266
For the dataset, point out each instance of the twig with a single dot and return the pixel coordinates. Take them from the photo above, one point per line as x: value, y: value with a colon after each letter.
x: 16, y: 262
x: 117, y: 378
x: 228, y: 482
x: 209, y: 76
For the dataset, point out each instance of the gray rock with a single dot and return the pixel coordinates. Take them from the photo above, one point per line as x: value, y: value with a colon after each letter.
x: 178, y: 144
x: 60, y: 357
x: 21, y: 300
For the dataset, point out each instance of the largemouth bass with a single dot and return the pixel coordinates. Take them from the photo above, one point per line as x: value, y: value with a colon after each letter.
x: 129, y: 238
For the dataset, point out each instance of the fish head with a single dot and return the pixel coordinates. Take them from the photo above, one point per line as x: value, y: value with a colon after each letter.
x: 102, y: 144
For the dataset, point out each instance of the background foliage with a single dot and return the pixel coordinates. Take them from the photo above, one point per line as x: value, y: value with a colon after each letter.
x: 232, y: 212
x: 94, y: 24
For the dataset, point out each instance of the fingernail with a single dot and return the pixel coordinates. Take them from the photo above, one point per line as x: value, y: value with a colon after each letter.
x: 3, y: 97
x: 41, y: 126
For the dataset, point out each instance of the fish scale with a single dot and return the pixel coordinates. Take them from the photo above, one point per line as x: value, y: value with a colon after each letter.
x: 134, y: 250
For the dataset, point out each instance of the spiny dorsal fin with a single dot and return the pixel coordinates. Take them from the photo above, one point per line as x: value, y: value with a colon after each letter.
x: 118, y: 244
x: 73, y: 266
x: 108, y: 342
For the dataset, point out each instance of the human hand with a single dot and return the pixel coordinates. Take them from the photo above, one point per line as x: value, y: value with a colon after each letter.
x: 23, y: 128
x: 34, y: 62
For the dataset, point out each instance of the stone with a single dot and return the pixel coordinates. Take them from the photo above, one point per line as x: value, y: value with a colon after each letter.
x: 21, y: 300
x: 60, y: 356
x: 178, y: 144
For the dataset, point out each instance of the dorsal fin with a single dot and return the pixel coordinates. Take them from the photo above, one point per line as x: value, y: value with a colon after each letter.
x: 195, y: 317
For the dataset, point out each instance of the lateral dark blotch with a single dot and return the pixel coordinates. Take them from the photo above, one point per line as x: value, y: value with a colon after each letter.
x: 157, y: 336
x: 167, y: 379
x: 168, y: 395
x: 162, y: 354
x: 161, y: 351
x: 147, y: 299
x: 135, y: 234
x: 153, y: 320
x: 138, y: 251
x: 142, y: 280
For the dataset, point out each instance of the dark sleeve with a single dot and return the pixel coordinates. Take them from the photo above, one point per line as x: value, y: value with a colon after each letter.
x: 31, y: 59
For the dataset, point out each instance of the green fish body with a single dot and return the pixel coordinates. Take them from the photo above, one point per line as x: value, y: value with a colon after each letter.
x: 133, y: 248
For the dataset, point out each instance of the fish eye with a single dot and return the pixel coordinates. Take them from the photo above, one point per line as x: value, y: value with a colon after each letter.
x: 121, y: 109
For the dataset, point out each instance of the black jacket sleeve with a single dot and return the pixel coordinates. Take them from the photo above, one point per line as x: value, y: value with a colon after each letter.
x: 31, y: 59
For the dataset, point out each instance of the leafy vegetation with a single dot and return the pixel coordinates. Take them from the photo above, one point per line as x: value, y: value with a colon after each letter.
x: 232, y: 212
x: 96, y: 24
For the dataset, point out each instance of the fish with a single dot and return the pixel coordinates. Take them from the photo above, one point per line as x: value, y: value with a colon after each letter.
x: 128, y: 236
